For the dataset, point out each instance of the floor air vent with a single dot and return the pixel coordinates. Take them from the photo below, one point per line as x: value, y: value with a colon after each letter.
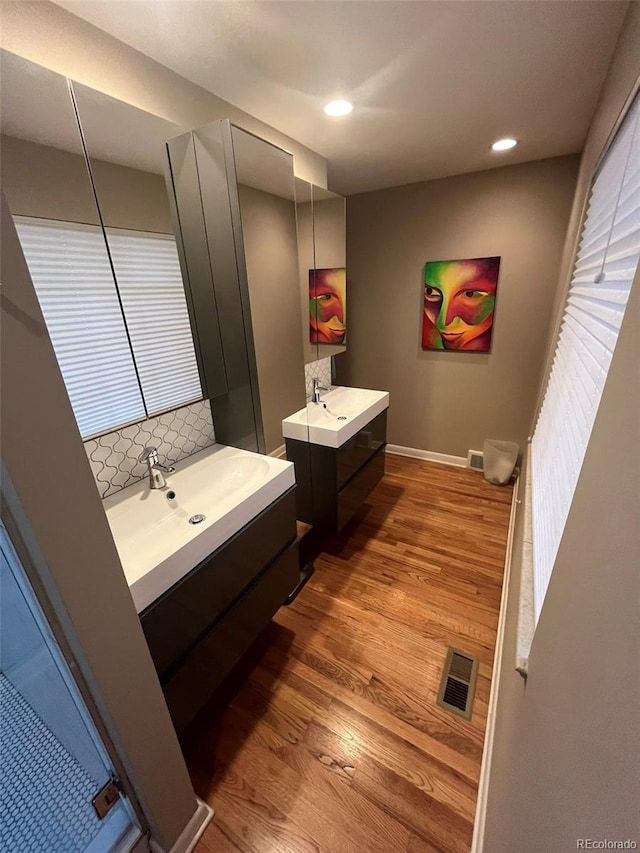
x: 458, y: 684
x: 475, y: 460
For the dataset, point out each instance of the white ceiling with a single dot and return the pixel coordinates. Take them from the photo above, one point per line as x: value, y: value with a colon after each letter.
x: 433, y: 83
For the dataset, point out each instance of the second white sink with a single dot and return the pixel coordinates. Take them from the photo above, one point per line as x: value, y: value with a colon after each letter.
x: 341, y: 413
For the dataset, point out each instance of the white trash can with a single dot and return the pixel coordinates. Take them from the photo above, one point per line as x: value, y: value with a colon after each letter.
x: 500, y: 459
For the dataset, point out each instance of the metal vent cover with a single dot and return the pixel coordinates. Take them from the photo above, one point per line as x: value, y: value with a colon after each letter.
x: 458, y: 683
x: 475, y: 460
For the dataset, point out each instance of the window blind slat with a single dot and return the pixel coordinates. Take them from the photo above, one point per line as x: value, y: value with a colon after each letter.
x: 593, y: 308
x: 618, y: 295
x: 595, y: 241
x: 606, y: 262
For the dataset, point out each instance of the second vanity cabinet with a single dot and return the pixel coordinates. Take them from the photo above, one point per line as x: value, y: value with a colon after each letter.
x: 333, y: 482
x: 199, y: 629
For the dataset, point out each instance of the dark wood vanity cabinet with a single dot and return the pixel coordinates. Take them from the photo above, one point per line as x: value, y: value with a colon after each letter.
x: 332, y: 483
x: 199, y: 629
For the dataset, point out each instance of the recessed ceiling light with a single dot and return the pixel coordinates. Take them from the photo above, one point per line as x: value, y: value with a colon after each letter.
x: 338, y: 108
x: 504, y: 144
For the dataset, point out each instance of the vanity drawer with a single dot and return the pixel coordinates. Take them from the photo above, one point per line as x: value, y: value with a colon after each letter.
x: 354, y: 494
x: 357, y: 450
x: 202, y: 671
x: 174, y: 623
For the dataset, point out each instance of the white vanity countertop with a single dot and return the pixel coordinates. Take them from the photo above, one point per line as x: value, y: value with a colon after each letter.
x: 157, y: 544
x: 341, y: 414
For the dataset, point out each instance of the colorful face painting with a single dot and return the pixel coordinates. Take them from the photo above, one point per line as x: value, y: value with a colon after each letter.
x: 328, y: 306
x: 459, y: 301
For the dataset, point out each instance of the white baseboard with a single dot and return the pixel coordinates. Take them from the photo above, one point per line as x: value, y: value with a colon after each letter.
x: 477, y: 844
x: 279, y: 452
x: 430, y: 455
x: 192, y: 832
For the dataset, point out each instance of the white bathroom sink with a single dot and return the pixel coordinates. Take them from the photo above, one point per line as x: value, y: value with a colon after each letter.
x: 338, y: 417
x: 156, y: 542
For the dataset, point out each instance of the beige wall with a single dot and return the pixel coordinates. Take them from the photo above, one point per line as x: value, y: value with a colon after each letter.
x: 564, y: 762
x: 78, y: 561
x: 131, y: 198
x: 450, y: 402
x: 329, y: 227
x: 46, y: 182
x: 50, y: 36
x: 269, y: 232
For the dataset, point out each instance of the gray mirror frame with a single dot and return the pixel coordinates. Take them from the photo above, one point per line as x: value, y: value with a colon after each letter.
x: 209, y: 226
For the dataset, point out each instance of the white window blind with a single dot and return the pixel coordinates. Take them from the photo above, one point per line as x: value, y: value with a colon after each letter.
x: 605, y: 266
x: 72, y: 277
x: 150, y: 282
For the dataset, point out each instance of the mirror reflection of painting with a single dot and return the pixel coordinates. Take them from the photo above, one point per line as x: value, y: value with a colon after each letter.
x: 327, y: 306
x: 459, y: 302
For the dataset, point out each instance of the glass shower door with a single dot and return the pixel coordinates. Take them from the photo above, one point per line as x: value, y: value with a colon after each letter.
x: 58, y: 788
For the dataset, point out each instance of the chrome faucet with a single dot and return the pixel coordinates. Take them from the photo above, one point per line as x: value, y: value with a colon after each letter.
x: 317, y: 388
x: 155, y: 469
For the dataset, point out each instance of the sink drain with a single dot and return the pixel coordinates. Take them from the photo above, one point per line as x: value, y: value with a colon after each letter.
x: 197, y: 519
x: 342, y: 417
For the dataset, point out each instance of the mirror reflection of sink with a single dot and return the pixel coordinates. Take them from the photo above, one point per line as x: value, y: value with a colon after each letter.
x: 341, y: 413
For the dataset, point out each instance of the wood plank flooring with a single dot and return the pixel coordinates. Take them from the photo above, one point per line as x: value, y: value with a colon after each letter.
x: 327, y: 737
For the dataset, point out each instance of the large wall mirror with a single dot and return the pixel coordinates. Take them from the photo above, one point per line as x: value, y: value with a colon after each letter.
x: 157, y: 293
x: 321, y: 216
x: 127, y: 158
x: 245, y: 190
x: 267, y: 206
x: 49, y: 193
x: 84, y: 179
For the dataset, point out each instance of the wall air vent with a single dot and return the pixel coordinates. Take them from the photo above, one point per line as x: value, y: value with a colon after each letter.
x: 458, y: 684
x: 475, y: 460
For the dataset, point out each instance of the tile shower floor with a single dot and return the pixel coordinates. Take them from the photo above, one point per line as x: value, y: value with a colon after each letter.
x: 45, y: 794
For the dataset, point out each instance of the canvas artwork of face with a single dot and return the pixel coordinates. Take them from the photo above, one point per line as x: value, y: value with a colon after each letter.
x: 459, y: 302
x: 327, y: 306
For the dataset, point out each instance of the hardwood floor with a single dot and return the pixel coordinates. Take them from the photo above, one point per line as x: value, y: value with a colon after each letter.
x: 329, y: 738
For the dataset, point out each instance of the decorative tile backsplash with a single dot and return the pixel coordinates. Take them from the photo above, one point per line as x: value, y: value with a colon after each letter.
x: 114, y: 457
x: 317, y: 370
